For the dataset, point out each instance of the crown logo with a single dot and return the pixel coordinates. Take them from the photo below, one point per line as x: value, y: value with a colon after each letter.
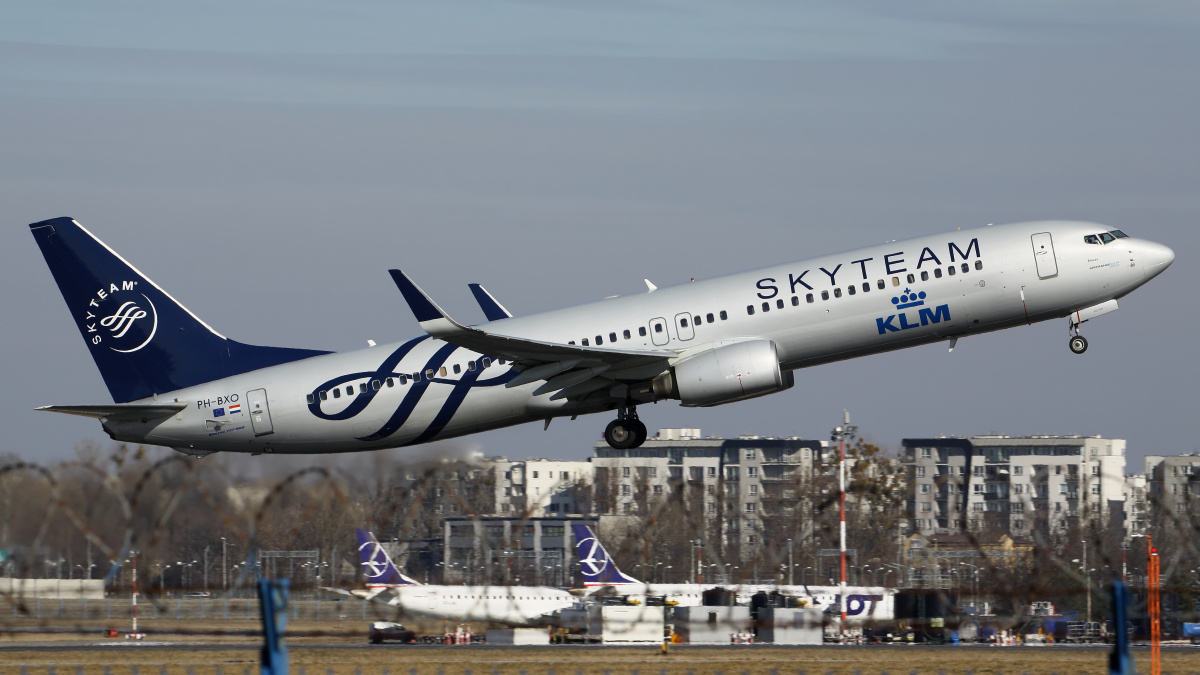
x: 909, y: 299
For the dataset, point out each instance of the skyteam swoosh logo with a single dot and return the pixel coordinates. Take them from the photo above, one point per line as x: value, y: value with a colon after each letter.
x: 120, y: 318
x: 471, y: 379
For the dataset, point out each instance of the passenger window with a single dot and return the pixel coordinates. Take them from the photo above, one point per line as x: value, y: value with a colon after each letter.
x: 851, y: 290
x: 1091, y: 239
x: 866, y: 287
x: 337, y: 393
x: 697, y: 320
x: 966, y: 268
x: 311, y: 399
x: 937, y: 272
x: 457, y: 369
x: 911, y: 278
x: 724, y: 316
x: 470, y: 365
x: 925, y: 275
x: 570, y: 342
x: 429, y: 374
x: 750, y: 310
x: 362, y: 388
x: 837, y: 292
x: 324, y: 396
x: 1107, y: 238
x: 895, y: 281
x: 710, y: 317
x: 795, y: 301
x: 880, y: 284
x: 950, y: 270
x: 585, y: 342
x: 375, y: 385
x: 766, y: 306
x: 416, y: 377
x: 978, y: 264
x: 658, y: 328
x: 349, y: 390
x: 683, y: 322
x: 626, y: 334
x: 824, y: 295
x: 809, y: 297
x: 403, y: 380
x: 442, y: 371
x: 779, y: 304
x: 390, y: 382
x: 599, y: 340
x: 642, y: 331
x: 487, y: 362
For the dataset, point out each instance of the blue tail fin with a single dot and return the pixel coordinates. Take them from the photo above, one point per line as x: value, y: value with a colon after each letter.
x: 378, y: 569
x: 597, y: 567
x: 143, y: 341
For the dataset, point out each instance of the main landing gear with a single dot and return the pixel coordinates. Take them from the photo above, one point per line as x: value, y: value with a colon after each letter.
x: 1077, y: 343
x: 627, y: 431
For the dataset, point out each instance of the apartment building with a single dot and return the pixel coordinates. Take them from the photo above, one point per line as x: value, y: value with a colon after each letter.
x: 1016, y: 485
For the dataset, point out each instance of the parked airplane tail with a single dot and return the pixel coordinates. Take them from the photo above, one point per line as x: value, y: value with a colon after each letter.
x: 143, y: 341
x: 378, y: 570
x: 597, y: 566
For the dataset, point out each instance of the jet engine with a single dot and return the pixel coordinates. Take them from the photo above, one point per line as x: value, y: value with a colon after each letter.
x: 724, y: 374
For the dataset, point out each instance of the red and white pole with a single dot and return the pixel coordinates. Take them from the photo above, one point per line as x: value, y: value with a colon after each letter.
x: 842, y: 526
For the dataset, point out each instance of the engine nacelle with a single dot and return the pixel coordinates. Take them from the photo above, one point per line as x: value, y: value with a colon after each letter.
x: 733, y: 372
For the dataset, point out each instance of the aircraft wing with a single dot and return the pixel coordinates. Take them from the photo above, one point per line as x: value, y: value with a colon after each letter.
x: 527, y: 352
x: 128, y: 411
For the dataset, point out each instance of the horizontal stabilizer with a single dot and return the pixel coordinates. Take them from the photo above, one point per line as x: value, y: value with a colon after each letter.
x: 118, y: 412
x: 492, y: 309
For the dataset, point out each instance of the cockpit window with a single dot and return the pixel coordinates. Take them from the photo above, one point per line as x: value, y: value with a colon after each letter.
x: 1118, y: 234
x: 1107, y: 238
x: 1091, y: 239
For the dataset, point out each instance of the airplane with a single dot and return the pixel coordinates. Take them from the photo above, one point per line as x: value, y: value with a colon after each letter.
x: 601, y: 576
x: 177, y: 382
x: 521, y: 606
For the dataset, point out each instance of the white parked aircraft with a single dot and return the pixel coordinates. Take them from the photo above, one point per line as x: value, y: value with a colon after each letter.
x: 179, y: 383
x: 509, y: 605
x: 602, y: 576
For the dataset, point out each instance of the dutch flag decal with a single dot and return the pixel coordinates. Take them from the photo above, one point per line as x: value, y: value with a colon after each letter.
x: 235, y: 408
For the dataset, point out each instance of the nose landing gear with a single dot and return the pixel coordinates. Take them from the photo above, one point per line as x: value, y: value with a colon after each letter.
x: 1077, y: 343
x: 627, y: 431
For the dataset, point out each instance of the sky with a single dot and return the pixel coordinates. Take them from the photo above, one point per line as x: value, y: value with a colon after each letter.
x: 267, y: 162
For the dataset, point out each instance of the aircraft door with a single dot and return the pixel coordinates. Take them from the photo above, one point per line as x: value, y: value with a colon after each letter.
x: 683, y: 326
x: 260, y: 414
x: 1043, y: 255
x: 658, y: 331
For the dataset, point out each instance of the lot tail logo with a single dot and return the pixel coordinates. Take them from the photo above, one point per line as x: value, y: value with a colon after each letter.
x: 120, y: 318
x: 904, y: 320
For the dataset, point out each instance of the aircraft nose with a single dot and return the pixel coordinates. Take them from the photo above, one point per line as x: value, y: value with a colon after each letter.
x: 1155, y: 258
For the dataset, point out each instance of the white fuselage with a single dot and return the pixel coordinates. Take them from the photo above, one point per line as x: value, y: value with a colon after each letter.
x: 509, y: 605
x: 866, y: 603
x: 816, y: 311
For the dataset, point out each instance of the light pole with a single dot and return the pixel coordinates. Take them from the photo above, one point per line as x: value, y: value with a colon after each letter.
x: 840, y: 434
x: 224, y: 560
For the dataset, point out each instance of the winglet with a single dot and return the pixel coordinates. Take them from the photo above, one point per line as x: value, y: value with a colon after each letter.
x: 433, y: 319
x: 491, y: 307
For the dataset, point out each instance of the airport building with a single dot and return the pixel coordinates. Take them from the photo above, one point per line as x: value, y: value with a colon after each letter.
x: 1015, y: 485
